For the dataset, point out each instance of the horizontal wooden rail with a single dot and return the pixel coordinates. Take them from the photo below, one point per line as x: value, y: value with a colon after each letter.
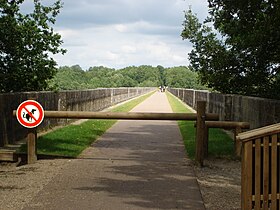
x: 237, y: 126
x: 125, y: 115
x: 227, y: 124
x: 259, y: 132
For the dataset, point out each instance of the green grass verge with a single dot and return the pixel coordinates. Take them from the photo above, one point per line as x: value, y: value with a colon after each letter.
x: 71, y: 140
x: 126, y: 107
x: 220, y: 144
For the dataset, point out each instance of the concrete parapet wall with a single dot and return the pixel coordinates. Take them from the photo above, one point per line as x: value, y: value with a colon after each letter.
x: 258, y: 112
x: 85, y: 100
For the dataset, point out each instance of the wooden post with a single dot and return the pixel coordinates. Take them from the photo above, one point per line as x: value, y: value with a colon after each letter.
x: 206, y: 140
x: 237, y: 142
x: 31, y: 147
x: 200, y: 131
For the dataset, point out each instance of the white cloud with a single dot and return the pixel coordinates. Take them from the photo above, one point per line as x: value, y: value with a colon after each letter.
x: 121, y: 28
x: 124, y: 32
x: 129, y: 49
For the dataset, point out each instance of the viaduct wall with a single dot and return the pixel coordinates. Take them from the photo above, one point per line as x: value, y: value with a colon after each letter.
x: 86, y: 100
x: 258, y: 112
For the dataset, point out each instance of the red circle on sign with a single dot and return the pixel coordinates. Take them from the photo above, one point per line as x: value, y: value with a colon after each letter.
x: 27, y: 117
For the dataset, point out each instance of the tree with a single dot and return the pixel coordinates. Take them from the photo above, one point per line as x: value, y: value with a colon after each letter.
x: 142, y: 75
x: 162, y: 76
x: 246, y: 59
x: 69, y: 78
x: 209, y: 56
x: 26, y: 42
x: 182, y: 77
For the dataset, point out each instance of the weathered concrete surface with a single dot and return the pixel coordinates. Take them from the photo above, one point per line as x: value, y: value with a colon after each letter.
x: 135, y: 165
x: 258, y: 112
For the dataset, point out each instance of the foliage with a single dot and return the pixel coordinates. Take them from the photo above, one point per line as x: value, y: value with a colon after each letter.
x: 162, y: 75
x: 245, y: 58
x: 69, y: 78
x: 26, y: 41
x: 182, y: 77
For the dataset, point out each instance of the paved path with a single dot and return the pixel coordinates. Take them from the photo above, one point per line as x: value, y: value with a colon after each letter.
x: 134, y: 165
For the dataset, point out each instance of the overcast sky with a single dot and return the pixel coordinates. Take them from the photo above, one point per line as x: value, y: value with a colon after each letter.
x: 120, y: 33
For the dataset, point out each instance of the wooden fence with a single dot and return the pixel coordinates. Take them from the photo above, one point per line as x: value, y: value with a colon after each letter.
x: 261, y: 168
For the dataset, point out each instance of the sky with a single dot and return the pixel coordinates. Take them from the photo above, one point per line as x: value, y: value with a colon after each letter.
x: 121, y: 33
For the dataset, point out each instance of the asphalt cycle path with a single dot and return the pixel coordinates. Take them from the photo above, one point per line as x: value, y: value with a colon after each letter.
x: 135, y: 165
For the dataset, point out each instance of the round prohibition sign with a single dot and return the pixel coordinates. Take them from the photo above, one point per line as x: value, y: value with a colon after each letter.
x: 30, y: 114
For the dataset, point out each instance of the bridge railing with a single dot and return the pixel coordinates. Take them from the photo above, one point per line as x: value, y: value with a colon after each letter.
x: 260, y: 183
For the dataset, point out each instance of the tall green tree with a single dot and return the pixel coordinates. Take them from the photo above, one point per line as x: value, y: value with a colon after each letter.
x: 161, y: 70
x: 69, y: 78
x: 209, y: 56
x: 182, y: 77
x: 246, y: 59
x: 26, y: 42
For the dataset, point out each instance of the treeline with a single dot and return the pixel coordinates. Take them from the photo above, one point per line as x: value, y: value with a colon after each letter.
x: 74, y: 78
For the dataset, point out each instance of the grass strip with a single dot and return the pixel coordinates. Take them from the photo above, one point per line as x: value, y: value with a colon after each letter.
x: 220, y: 144
x: 71, y: 140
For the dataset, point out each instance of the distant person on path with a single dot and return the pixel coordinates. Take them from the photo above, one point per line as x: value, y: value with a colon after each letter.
x: 162, y: 89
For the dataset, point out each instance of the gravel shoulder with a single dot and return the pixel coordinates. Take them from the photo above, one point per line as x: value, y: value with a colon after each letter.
x: 19, y: 184
x: 220, y: 184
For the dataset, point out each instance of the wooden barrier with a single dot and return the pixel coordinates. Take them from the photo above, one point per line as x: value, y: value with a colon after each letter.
x: 260, y: 185
x: 200, y: 132
x: 237, y: 126
x: 201, y: 116
x: 125, y: 115
x: 32, y: 147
